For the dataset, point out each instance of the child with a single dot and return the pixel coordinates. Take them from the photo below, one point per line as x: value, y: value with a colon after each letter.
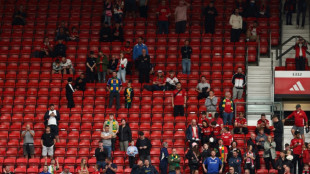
x: 128, y: 93
x: 306, y: 169
x: 96, y: 170
x: 132, y: 151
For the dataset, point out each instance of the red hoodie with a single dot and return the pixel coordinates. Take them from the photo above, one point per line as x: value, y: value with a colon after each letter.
x: 300, y: 118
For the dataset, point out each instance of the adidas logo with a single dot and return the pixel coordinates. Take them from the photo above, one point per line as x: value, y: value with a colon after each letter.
x: 297, y: 87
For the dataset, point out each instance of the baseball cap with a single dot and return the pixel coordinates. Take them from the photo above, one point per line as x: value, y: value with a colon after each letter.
x: 159, y: 71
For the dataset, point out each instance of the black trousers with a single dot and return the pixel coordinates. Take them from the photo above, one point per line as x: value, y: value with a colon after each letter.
x: 289, y: 18
x: 300, y: 63
x: 113, y: 140
x: 70, y: 101
x: 111, y: 98
x: 178, y: 110
x: 132, y: 161
x: 180, y: 27
x: 143, y: 11
x: 144, y: 76
x: 128, y: 68
x: 210, y: 26
x: 268, y: 161
x: 301, y: 12
x: 278, y: 140
x: 235, y: 35
x: 203, y: 95
x: 91, y: 75
x: 297, y: 161
x: 244, y: 130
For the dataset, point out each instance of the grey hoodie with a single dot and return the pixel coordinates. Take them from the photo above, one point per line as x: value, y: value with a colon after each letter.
x: 211, y: 104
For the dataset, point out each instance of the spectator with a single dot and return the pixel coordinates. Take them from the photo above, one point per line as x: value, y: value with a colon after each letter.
x: 121, y: 74
x: 132, y: 151
x: 206, y: 152
x: 67, y: 171
x: 171, y: 81
x: 46, y: 49
x: 148, y: 168
x: 118, y: 34
x: 83, y: 168
x: 249, y: 159
x: 186, y: 52
x: 110, y: 168
x: 62, y: 32
x: 289, y: 8
x: 181, y: 16
x: 231, y: 171
x: 296, y: 145
x: 118, y: 11
x: 213, y: 164
x: 240, y: 5
x: 306, y: 153
x: 105, y: 33
x: 101, y: 154
x: 252, y: 33
x: 232, y: 149
x: 163, y: 13
x: 281, y: 162
x: 241, y: 126
x: 60, y: 49
x: 28, y: 146
x: 108, y: 7
x: 227, y: 108
x: 51, y: 118
x: 163, y: 164
x: 66, y: 66
x: 252, y: 141
x: 144, y: 147
x: 235, y: 162
x: 19, y: 16
x: 53, y: 168
x: 193, y: 133
x: 130, y: 8
x: 45, y: 170
x: 215, y: 134
x: 260, y: 139
x: 264, y: 10
x: 174, y: 161
x: 270, y: 153
x: 138, y: 168
x: 211, y: 103
x: 127, y: 50
x: 206, y: 132
x: 56, y: 67
x: 203, y: 117
x: 239, y: 81
x: 143, y: 63
x: 193, y: 156
x: 210, y: 13
x: 178, y: 100
x: 48, y: 141
x: 263, y: 123
x: 114, y: 86
x: 80, y: 82
x: 226, y: 137
x: 102, y: 63
x: 69, y: 93
x: 301, y: 10
x: 128, y: 94
x: 143, y: 8
x: 113, y: 128
x: 124, y: 135
x: 138, y: 51
x: 306, y: 169
x: 90, y: 67
x: 158, y: 82
x: 290, y: 158
x: 236, y: 23
x: 300, y: 54
x: 177, y: 170
x: 217, y: 119
x: 203, y: 88
x: 278, y: 132
x: 74, y: 34
x: 251, y: 9
x: 106, y: 137
x: 287, y: 170
x: 222, y: 151
x: 112, y: 64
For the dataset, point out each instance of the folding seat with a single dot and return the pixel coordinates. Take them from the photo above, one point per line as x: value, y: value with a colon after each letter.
x: 75, y: 126
x: 59, y: 152
x: 22, y: 162
x: 11, y: 152
x: 39, y: 126
x: 72, y: 143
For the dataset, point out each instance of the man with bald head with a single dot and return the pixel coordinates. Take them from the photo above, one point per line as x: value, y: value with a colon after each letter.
x: 138, y: 168
x: 193, y: 132
x: 28, y: 146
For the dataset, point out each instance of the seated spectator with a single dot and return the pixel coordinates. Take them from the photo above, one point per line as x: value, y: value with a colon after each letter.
x: 300, y: 54
x: 203, y: 117
x: 253, y: 32
x: 52, y: 118
x: 112, y: 64
x: 60, y: 49
x: 216, y: 132
x: 118, y: 11
x: 121, y: 74
x: 28, y: 146
x: 66, y: 171
x: 114, y: 86
x: 251, y: 9
x: 206, y: 152
x: 144, y: 147
x: 236, y: 26
x: 163, y: 13
x: 74, y: 35
x: 102, y: 63
x: 263, y: 123
x: 306, y: 169
x: 66, y: 66
x: 45, y: 170
x: 143, y: 64
x: 171, y: 81
x: 240, y: 5
x: 138, y: 168
x: 241, y: 126
x: 62, y: 32
x: 53, y: 167
x: 252, y: 141
x: 19, y: 16
x: 158, y: 82
x: 48, y: 141
x: 177, y: 170
x: 163, y: 158
x: 210, y: 13
x: 91, y: 67
x: 105, y: 33
x: 178, y: 100
x: 211, y: 103
x: 235, y: 162
x: 80, y: 83
x: 193, y: 156
x: 226, y: 137
x: 203, y: 88
x: 270, y: 153
x: 222, y: 151
x: 231, y: 170
x: 227, y: 108
x: 118, y: 34
x: 213, y: 164
x: 56, y: 67
x: 193, y: 132
x: 217, y: 119
x: 46, y: 49
x: 260, y: 139
x: 206, y: 132
x: 101, y: 154
x: 249, y: 159
x: 174, y: 161
x: 132, y: 151
x: 129, y: 94
x: 232, y: 149
x: 83, y: 169
x: 108, y: 7
x: 264, y: 10
x: 110, y: 167
x: 148, y: 168
x: 281, y: 161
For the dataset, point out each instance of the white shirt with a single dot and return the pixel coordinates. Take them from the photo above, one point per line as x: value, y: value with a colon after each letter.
x: 235, y: 21
x: 194, y: 131
x: 300, y: 51
x: 123, y: 61
x: 172, y: 81
x: 68, y: 63
x: 52, y: 120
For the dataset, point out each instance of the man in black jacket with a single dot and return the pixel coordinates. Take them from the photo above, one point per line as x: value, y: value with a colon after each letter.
x: 143, y: 63
x: 144, y: 147
x: 80, y: 83
x: 238, y: 81
x: 101, y: 154
x: 105, y: 33
x: 186, y: 52
x: 60, y: 49
x: 210, y: 13
x: 138, y: 168
x: 51, y: 118
x: 69, y: 93
x: 124, y: 135
x: 278, y: 132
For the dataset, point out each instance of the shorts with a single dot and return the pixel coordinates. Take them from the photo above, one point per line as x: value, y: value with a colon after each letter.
x: 54, y: 129
x: 178, y: 110
x: 48, y: 151
x: 31, y: 149
x: 300, y: 129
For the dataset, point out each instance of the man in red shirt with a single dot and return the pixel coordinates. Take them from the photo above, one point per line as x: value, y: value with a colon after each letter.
x: 127, y: 51
x: 216, y: 129
x: 263, y: 123
x: 296, y: 145
x: 241, y: 126
x: 227, y: 107
x: 226, y: 137
x: 178, y: 100
x: 202, y: 118
x: 301, y: 120
x: 163, y: 13
x: 158, y: 82
x: 217, y: 119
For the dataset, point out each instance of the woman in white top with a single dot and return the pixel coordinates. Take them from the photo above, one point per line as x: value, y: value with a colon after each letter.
x: 122, y: 64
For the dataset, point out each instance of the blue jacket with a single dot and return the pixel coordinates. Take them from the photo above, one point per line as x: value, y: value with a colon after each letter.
x: 213, y: 165
x: 163, y: 157
x: 137, y: 51
x: 189, y: 133
x: 235, y: 163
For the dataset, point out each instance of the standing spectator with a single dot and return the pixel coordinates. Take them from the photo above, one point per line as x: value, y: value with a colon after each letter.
x: 206, y: 132
x: 101, y: 154
x: 132, y: 151
x: 203, y: 88
x: 138, y: 168
x: 46, y: 49
x: 278, y: 132
x: 143, y: 64
x: 51, y: 118
x: 270, y: 153
x: 62, y: 32
x: 83, y: 169
x: 148, y: 168
x: 306, y: 169
x: 105, y: 33
x: 112, y: 64
x: 236, y: 24
x: 260, y: 139
x: 222, y: 151
x: 127, y: 50
x: 28, y: 146
x: 235, y: 162
x: 210, y: 13
x: 178, y: 100
x: 56, y: 67
x: 128, y: 94
x: 114, y: 86
x: 301, y: 10
x: 108, y: 7
x: 281, y: 162
x: 238, y: 80
x: 158, y: 82
x: 263, y: 123
x: 117, y: 32
x: 60, y: 49
x: 118, y: 11
x: 193, y: 132
x: 66, y: 66
x: 110, y: 168
x: 227, y: 108
x: 74, y: 35
x: 193, y: 156
x: 163, y: 164
x: 232, y: 149
x: 211, y: 103
x: 252, y: 33
x: 106, y: 137
x: 289, y: 9
x: 124, y: 135
x: 171, y: 81
x: 48, y: 141
x: 113, y: 127
x: 215, y: 134
x: 186, y: 52
x: 251, y: 9
x: 174, y: 161
x: 241, y: 126
x: 163, y: 13
x: 264, y: 10
x: 300, y: 54
x: 213, y: 164
x: 90, y: 67
x: 144, y: 147
x: 80, y: 82
x: 249, y: 159
x: 143, y: 8
x: 121, y: 74
x: 296, y: 145
x: 130, y: 8
x: 226, y: 137
x: 138, y: 51
x: 252, y: 141
x: 306, y: 153
x: 102, y: 63
x: 19, y: 16
x: 206, y: 152
x: 45, y: 170
x: 69, y: 93
x: 181, y: 16
x: 240, y: 4
x: 203, y: 117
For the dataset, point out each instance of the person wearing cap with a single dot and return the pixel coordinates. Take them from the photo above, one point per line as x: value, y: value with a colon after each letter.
x: 144, y: 147
x: 178, y: 100
x: 69, y: 93
x: 278, y: 132
x: 296, y: 145
x: 263, y: 123
x: 193, y: 132
x: 194, y: 157
x: 114, y: 86
x: 91, y: 67
x: 143, y: 65
x: 158, y: 82
x: 301, y: 120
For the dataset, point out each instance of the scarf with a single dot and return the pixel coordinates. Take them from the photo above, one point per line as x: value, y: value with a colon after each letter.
x: 249, y: 160
x: 175, y: 157
x: 224, y: 103
x: 113, y: 125
x: 195, y: 133
x: 128, y: 95
x: 222, y: 150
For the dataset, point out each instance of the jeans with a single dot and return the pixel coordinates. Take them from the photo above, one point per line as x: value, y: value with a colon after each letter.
x: 109, y: 149
x: 101, y: 165
x: 121, y: 74
x: 107, y: 19
x: 163, y: 27
x: 186, y: 66
x: 227, y: 117
x: 101, y: 77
